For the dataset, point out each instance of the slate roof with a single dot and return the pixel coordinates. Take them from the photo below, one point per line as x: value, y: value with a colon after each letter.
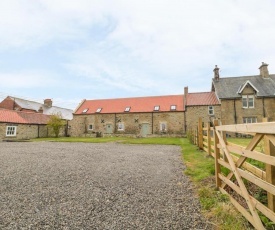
x: 18, y: 117
x: 137, y: 104
x: 32, y: 105
x: 228, y: 87
x: 206, y: 98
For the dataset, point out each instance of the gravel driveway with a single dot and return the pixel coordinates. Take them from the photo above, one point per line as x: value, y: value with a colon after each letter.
x: 48, y: 185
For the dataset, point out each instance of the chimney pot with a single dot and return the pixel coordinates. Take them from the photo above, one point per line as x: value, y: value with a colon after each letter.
x: 40, y: 110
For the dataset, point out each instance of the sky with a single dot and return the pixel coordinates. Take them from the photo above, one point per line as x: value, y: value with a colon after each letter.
x: 69, y: 50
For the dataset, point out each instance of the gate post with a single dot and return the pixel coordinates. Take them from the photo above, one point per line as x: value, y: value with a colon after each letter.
x: 208, y: 139
x: 217, y: 156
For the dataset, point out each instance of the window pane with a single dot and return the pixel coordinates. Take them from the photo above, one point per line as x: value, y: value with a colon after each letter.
x: 244, y: 102
x: 251, y: 102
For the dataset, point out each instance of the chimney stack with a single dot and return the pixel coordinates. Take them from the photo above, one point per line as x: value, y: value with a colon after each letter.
x: 185, y: 95
x: 216, y: 73
x: 264, y: 70
x: 48, y: 102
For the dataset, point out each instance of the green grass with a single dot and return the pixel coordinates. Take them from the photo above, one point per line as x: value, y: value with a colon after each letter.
x: 81, y: 139
x: 244, y: 142
x: 216, y: 206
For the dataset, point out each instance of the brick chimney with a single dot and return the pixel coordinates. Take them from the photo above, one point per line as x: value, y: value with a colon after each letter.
x: 48, y: 102
x: 40, y: 110
x: 185, y: 95
x: 264, y: 70
x: 216, y: 73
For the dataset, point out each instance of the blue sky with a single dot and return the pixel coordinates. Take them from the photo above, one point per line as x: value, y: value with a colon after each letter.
x: 71, y: 50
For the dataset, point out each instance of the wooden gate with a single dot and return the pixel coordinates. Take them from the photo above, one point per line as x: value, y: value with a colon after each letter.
x: 233, y: 157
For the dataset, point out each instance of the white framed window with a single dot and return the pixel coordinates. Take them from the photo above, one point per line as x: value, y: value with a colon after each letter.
x: 85, y: 110
x: 127, y: 109
x: 120, y: 127
x: 98, y: 110
x: 211, y: 110
x: 156, y: 108
x: 90, y: 127
x: 247, y: 120
x: 11, y: 131
x: 173, y: 107
x: 248, y: 101
x: 163, y: 127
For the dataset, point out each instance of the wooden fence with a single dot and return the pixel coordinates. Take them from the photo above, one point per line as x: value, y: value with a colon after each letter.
x: 212, y: 139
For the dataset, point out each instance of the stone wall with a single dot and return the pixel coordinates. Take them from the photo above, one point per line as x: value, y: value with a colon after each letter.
x: 26, y: 131
x: 132, y: 123
x: 193, y: 113
x: 232, y: 111
x: 23, y: 131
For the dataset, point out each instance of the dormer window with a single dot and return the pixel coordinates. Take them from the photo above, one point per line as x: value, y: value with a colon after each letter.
x: 98, y: 110
x: 85, y: 110
x: 156, y: 108
x: 173, y: 107
x: 127, y: 109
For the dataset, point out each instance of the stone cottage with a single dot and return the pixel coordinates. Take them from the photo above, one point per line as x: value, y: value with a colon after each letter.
x: 245, y: 99
x: 22, y: 125
x: 46, y: 108
x: 140, y: 116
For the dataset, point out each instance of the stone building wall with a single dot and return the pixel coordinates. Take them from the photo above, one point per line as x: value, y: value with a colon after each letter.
x: 193, y: 113
x: 132, y: 123
x: 23, y: 131
x: 234, y: 114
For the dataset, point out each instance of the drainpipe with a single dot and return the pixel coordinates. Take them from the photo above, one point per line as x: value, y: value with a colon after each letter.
x: 38, y: 131
x: 185, y: 126
x: 115, y: 124
x: 235, y: 113
x: 263, y: 108
x: 152, y: 123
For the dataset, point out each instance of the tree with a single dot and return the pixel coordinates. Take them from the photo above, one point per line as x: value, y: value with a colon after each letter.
x: 56, y: 123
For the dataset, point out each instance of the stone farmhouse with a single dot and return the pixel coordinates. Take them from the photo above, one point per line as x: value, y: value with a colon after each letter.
x: 47, y: 108
x: 22, y: 125
x: 232, y: 100
x: 139, y: 116
x: 246, y: 99
x: 28, y: 119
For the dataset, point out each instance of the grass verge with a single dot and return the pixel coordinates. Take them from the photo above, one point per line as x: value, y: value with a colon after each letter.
x: 215, y: 206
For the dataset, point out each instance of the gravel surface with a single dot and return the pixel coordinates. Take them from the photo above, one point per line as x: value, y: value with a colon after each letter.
x: 49, y: 185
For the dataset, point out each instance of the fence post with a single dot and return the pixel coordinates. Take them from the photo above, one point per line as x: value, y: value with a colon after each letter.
x: 217, y: 156
x: 198, y: 136
x: 208, y: 139
x: 269, y: 149
x: 200, y: 133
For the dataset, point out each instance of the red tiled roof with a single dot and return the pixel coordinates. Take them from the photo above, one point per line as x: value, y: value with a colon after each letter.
x: 137, y: 104
x: 11, y: 116
x: 207, y: 98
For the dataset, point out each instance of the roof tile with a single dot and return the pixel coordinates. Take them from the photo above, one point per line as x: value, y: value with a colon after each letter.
x: 206, y: 98
x: 137, y: 104
x: 11, y: 116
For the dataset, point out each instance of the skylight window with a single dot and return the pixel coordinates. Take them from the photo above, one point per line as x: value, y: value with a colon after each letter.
x: 127, y: 109
x: 98, y: 110
x: 173, y: 107
x: 85, y: 110
x: 156, y: 108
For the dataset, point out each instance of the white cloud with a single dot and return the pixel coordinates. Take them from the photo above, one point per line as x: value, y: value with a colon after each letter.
x: 27, y: 79
x: 139, y: 46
